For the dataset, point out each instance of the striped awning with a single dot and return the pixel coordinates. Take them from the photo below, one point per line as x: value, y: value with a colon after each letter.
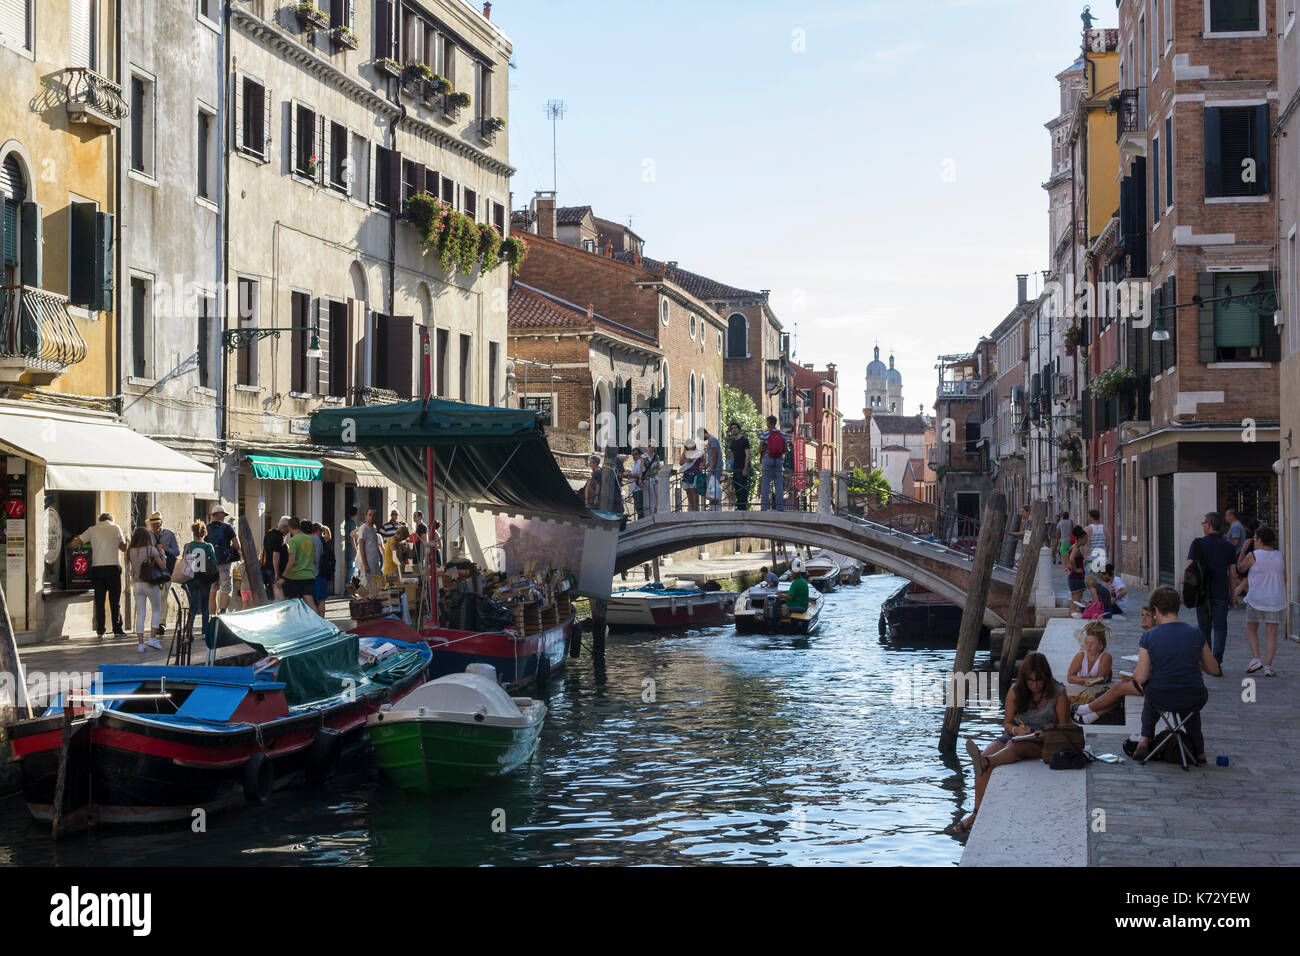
x: 285, y: 469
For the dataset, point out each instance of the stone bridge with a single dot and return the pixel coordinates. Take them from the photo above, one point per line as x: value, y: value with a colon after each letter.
x: 928, y: 563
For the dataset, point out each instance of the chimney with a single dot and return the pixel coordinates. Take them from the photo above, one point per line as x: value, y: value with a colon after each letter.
x: 663, y: 270
x: 1022, y: 288
x: 638, y: 258
x: 487, y: 11
x: 544, y: 205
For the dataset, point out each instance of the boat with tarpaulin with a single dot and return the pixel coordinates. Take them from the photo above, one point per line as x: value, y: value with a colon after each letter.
x: 151, y: 743
x: 486, y: 458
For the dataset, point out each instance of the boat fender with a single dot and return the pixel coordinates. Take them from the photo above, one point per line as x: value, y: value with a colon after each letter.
x: 575, y: 639
x: 323, y: 755
x: 259, y: 778
x: 543, y: 669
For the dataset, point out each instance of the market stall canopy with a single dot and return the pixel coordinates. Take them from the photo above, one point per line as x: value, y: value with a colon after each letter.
x: 496, y: 459
x: 362, y: 474
x: 285, y: 469
x: 85, y: 454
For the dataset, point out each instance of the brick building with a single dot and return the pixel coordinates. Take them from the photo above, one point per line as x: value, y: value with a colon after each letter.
x: 1288, y: 178
x: 1203, y: 128
x: 572, y: 364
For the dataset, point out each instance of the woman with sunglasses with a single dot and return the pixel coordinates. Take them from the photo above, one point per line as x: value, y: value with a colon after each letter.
x: 1035, y: 700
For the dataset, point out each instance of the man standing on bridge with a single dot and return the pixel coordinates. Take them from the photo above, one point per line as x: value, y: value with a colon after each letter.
x: 772, y: 454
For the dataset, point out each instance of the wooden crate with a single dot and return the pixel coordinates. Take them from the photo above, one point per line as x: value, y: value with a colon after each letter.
x: 550, y: 617
x: 563, y: 606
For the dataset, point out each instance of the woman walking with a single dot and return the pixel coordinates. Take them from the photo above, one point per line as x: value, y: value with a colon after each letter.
x: 143, y: 557
x: 197, y: 587
x: 1266, y: 601
x: 1075, y: 562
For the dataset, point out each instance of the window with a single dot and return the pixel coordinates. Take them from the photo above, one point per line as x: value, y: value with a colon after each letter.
x: 1234, y: 16
x: 253, y: 119
x: 141, y: 327
x: 663, y: 311
x: 1237, y: 150
x: 412, y: 179
x: 13, y: 192
x: 1169, y: 161
x: 205, y: 155
x: 16, y: 23
x: 385, y: 25
x: 440, y: 369
x: 337, y: 177
x: 358, y: 173
x: 719, y: 343
x: 207, y: 312
x: 1155, y: 38
x: 339, y: 348
x: 691, y: 326
x: 466, y: 368
x: 305, y: 161
x: 1169, y: 23
x: 382, y: 178
x: 471, y: 204
x: 499, y: 217
x: 90, y: 256
x: 1155, y: 181
x: 1243, y: 331
x: 691, y: 418
x: 448, y: 192
x: 483, y: 90
x: 208, y: 9
x: 737, y: 336
x: 449, y: 60
x: 142, y: 124
x: 247, y: 309
x: 494, y: 350
x: 1142, y: 48
x: 343, y: 13
x: 542, y: 404
x: 83, y: 33
x: 1293, y: 289
x: 589, y: 245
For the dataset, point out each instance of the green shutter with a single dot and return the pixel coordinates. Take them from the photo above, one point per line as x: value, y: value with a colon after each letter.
x: 1236, y: 322
x: 9, y: 233
x: 33, y: 245
x: 1087, y: 414
x: 1205, y: 318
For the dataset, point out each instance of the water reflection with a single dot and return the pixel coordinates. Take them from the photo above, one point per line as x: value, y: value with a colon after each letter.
x: 686, y: 748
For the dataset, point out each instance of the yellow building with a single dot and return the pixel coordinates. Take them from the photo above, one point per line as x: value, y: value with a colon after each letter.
x: 64, y: 455
x: 1098, y: 173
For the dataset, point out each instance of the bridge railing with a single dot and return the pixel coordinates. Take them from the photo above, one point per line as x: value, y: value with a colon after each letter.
x: 922, y: 519
x: 800, y: 492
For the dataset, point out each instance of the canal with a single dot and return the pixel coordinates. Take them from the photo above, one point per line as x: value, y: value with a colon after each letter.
x: 681, y: 749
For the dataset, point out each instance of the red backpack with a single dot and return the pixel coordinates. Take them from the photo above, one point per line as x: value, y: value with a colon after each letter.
x: 774, y: 444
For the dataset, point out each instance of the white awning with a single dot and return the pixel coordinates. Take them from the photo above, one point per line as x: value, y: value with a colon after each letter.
x: 363, y: 475
x: 87, y: 454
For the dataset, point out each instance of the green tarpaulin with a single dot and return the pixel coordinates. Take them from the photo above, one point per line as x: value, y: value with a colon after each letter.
x: 495, y: 458
x: 285, y: 469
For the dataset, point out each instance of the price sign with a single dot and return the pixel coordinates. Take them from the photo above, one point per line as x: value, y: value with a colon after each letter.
x: 79, y: 568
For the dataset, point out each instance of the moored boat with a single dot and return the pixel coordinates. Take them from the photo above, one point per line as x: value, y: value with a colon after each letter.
x: 823, y: 573
x: 461, y: 730
x: 915, y: 613
x: 851, y: 569
x: 154, y: 743
x: 656, y: 606
x: 763, y: 609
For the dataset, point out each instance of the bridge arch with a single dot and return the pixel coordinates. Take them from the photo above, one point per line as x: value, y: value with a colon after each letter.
x: 933, y: 566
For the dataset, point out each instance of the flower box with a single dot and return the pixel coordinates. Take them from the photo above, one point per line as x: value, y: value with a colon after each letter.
x: 311, y: 17
x: 391, y: 67
x: 344, y: 38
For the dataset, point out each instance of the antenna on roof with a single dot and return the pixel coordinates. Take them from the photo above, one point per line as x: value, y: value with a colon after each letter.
x: 555, y: 110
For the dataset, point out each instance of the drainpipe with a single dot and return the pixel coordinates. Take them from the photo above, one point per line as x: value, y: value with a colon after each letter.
x: 397, y: 186
x: 117, y: 245
x: 224, y: 264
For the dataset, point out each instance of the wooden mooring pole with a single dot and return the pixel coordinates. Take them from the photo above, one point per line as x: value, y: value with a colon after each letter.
x: 248, y: 552
x: 1024, y: 586
x: 972, y: 615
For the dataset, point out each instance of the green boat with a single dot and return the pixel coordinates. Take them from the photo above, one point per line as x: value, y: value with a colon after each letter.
x: 462, y: 730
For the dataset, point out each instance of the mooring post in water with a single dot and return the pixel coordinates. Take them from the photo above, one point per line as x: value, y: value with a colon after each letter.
x: 598, y: 627
x: 1024, y: 586
x: 253, y: 582
x: 972, y: 615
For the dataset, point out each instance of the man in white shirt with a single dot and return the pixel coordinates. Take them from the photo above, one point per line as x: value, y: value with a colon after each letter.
x: 1097, y: 550
x: 106, y: 544
x: 1118, y: 589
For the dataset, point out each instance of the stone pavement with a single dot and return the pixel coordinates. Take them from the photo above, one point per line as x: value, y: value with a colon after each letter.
x: 1239, y: 815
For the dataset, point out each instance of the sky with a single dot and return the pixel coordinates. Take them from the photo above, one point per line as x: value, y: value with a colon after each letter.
x: 877, y: 165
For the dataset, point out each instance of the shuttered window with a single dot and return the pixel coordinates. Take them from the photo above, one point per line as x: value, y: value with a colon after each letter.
x: 466, y: 367
x: 12, y: 193
x: 253, y: 119
x: 338, y: 156
x: 1169, y: 161
x: 82, y: 33
x: 299, y: 375
x: 1234, y: 16
x: 16, y: 23
x: 306, y: 160
x: 440, y: 369
x: 1237, y: 148
x: 336, y: 383
x: 207, y: 310
x: 1236, y: 323
x: 1155, y: 181
x: 137, y: 124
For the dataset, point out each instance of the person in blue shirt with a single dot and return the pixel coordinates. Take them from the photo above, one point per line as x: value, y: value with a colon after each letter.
x: 1218, y: 555
x: 225, y: 544
x: 1171, y: 657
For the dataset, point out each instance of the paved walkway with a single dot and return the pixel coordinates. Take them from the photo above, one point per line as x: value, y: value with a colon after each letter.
x: 1239, y: 815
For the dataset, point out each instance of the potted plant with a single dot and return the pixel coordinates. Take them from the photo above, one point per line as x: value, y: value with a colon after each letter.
x: 457, y: 100
x: 493, y: 124
x: 1106, y: 385
x: 514, y: 251
x: 414, y: 73
x: 343, y: 36
x: 310, y: 16
x: 311, y: 168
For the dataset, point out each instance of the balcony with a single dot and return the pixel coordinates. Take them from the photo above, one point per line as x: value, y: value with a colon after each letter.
x: 1131, y: 119
x: 374, y: 395
x: 38, y: 339
x: 958, y: 389
x: 94, y: 99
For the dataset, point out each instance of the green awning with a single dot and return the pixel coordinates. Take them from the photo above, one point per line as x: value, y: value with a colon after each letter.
x: 487, y: 457
x: 286, y: 469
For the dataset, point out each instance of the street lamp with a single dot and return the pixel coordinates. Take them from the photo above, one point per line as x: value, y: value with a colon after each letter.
x: 237, y: 339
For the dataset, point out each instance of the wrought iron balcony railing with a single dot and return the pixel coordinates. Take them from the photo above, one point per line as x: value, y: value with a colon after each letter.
x: 35, y: 326
x: 95, y: 99
x: 1131, y: 112
x: 957, y: 389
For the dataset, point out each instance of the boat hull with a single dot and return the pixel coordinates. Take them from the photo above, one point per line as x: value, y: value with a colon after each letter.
x: 431, y: 754
x: 638, y: 611
x: 520, y: 661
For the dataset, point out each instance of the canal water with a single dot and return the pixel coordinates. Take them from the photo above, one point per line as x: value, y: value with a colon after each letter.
x: 701, y: 747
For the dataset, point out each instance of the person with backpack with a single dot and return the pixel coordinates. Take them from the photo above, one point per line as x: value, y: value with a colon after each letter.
x: 1206, y: 583
x: 771, y: 449
x: 197, y: 570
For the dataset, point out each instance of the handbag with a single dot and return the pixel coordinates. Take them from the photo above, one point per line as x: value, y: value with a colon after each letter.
x: 1061, y: 737
x: 1195, y: 583
x: 150, y: 573
x: 701, y: 482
